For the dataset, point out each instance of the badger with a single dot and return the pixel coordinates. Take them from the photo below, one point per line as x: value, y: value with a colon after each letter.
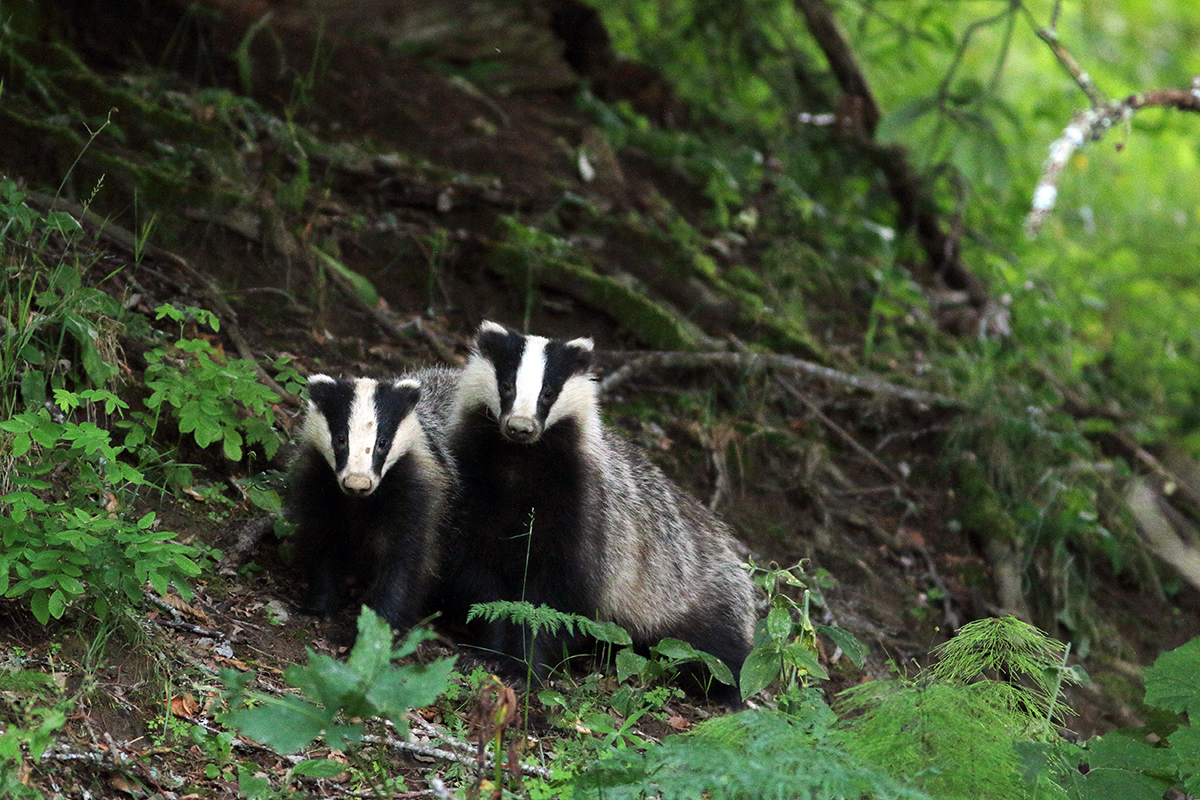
x: 557, y: 509
x: 370, y: 487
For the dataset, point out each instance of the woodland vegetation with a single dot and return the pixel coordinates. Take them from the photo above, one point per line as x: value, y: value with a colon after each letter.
x: 906, y: 290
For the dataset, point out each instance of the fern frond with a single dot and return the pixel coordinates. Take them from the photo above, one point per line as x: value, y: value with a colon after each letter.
x: 544, y: 619
x: 1024, y: 666
x: 953, y: 742
x: 750, y: 755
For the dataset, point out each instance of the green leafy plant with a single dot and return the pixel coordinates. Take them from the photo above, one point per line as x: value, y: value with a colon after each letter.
x: 365, y: 686
x: 59, y: 547
x: 53, y: 328
x: 664, y: 661
x: 213, y: 398
x: 1127, y: 763
x: 785, y: 642
x: 541, y: 619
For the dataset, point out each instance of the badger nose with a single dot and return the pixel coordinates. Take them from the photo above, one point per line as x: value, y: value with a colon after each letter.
x: 358, y: 483
x: 521, y: 429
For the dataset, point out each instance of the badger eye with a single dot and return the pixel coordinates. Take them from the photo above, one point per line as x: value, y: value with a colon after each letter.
x: 506, y: 388
x: 339, y: 440
x: 547, y: 395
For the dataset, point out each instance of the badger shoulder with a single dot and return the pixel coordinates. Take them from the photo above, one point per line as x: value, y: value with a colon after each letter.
x: 661, y: 543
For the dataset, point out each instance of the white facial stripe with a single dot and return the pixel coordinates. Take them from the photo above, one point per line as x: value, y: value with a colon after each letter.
x: 316, y: 432
x: 578, y: 400
x: 529, y: 377
x: 362, y: 430
x: 476, y: 387
x: 408, y: 436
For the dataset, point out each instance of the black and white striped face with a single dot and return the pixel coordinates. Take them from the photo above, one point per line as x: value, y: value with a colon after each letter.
x: 528, y: 383
x: 361, y: 427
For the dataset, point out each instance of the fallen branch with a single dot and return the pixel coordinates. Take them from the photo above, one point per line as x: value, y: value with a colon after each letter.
x: 446, y: 755
x: 839, y: 431
x: 750, y: 362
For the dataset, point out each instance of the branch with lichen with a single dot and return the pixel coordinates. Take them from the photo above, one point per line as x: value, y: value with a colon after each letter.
x: 1091, y: 124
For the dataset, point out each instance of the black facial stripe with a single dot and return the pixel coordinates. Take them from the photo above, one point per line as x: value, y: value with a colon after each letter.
x: 333, y: 401
x: 563, y: 361
x: 504, y: 351
x: 392, y: 404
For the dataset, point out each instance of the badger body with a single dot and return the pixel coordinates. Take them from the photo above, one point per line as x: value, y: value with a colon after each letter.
x: 370, y: 488
x: 558, y: 510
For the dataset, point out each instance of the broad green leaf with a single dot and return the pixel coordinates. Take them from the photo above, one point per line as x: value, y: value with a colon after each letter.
x: 718, y: 668
x: 855, y: 650
x: 675, y: 649
x: 629, y: 663
x: 1121, y: 784
x: 319, y: 768
x: 800, y: 656
x: 413, y: 686
x: 372, y: 650
x: 1173, y: 682
x: 287, y: 724
x: 609, y: 632
x: 779, y: 623
x: 760, y: 668
x: 39, y: 605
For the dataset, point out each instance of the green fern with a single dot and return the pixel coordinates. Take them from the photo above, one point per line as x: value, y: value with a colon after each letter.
x: 950, y: 739
x: 546, y: 620
x: 956, y: 730
x: 1011, y: 665
x: 753, y: 755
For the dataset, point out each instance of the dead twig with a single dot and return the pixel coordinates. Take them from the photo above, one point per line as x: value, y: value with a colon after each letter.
x: 446, y: 755
x: 838, y: 430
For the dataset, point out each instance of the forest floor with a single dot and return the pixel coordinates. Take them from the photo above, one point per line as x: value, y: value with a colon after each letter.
x: 801, y: 467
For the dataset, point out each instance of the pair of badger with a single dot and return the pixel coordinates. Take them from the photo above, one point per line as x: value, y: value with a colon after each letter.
x: 500, y: 482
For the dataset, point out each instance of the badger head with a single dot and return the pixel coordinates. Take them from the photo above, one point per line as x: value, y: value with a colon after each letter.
x: 361, y: 427
x: 528, y: 383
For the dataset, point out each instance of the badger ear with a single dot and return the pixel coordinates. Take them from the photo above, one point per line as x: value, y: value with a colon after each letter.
x: 487, y: 326
x: 409, y: 383
x: 313, y: 380
x: 585, y: 343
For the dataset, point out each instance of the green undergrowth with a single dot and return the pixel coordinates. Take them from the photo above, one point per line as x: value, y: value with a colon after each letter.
x: 82, y: 465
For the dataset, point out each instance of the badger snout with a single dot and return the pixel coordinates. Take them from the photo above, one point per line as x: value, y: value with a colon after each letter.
x: 521, y: 429
x: 358, y: 484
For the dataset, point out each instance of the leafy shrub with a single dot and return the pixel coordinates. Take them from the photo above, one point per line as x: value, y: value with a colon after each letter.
x: 1125, y: 763
x: 785, y: 642
x: 80, y: 539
